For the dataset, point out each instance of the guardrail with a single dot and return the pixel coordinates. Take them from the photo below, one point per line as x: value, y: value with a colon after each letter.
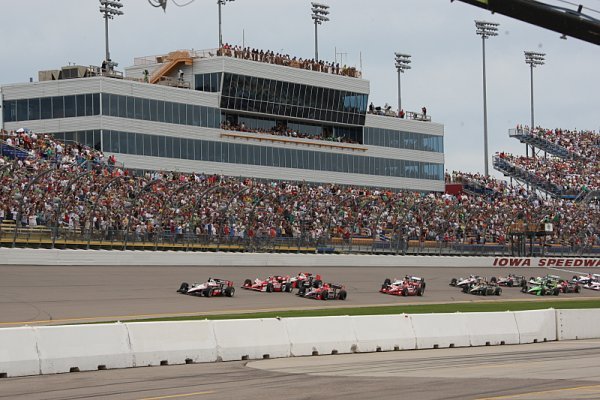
x: 59, y: 349
x: 71, y: 238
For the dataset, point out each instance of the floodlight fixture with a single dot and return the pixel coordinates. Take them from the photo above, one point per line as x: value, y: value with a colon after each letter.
x: 110, y: 9
x: 319, y: 15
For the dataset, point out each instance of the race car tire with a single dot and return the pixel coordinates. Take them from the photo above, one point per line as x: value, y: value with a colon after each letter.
x: 247, y: 282
x: 465, y: 289
x: 556, y: 292
x: 404, y: 292
x: 269, y: 287
x: 423, y: 285
x: 387, y: 281
x: 419, y: 292
x: 484, y: 292
x: 524, y: 288
x: 342, y: 295
x: 324, y: 295
x: 509, y: 283
x: 493, y: 279
x: 301, y: 291
x: 577, y: 289
x: 317, y: 283
x: 453, y: 282
x: 184, y: 287
x: 498, y: 292
x: 229, y: 291
x: 208, y: 292
x: 288, y: 287
x: 523, y: 283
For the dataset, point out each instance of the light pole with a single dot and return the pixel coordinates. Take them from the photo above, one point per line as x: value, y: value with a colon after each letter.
x: 319, y: 15
x: 110, y: 9
x: 221, y: 3
x: 533, y: 59
x: 485, y: 30
x: 402, y: 61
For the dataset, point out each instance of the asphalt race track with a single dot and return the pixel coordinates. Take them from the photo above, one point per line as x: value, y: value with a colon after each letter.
x: 548, y: 371
x: 71, y: 294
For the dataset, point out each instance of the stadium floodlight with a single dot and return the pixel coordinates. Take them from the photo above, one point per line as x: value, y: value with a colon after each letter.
x: 402, y: 64
x: 110, y: 9
x: 221, y: 3
x: 485, y: 30
x: 534, y: 60
x: 319, y: 15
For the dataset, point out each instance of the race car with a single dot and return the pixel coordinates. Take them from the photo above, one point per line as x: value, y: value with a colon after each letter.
x: 276, y: 283
x: 584, y: 279
x: 541, y: 279
x: 569, y: 287
x: 325, y: 291
x: 462, y: 282
x: 592, y: 285
x: 483, y: 288
x: 212, y: 287
x: 299, y: 279
x: 543, y: 288
x: 510, y: 280
x: 409, y: 286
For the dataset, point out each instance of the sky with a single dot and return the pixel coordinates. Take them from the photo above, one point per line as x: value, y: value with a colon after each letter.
x: 446, y: 74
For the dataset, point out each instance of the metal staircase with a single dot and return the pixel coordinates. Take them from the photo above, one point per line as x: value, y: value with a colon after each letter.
x: 525, y: 136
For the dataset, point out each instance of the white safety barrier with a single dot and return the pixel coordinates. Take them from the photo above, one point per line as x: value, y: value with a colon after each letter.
x: 321, y: 335
x: 488, y: 329
x: 18, y: 352
x: 164, y: 343
x: 578, y: 324
x: 58, y: 349
x: 83, y: 348
x: 536, y: 325
x: 384, y: 333
x: 440, y: 330
x: 10, y: 256
x: 251, y: 339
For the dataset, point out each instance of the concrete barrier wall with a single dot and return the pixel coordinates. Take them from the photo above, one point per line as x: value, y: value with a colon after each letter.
x: 59, y: 349
x: 536, y: 326
x: 160, y: 343
x: 9, y: 256
x: 83, y: 348
x: 578, y: 324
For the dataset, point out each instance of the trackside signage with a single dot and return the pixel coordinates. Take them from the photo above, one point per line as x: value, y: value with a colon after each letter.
x: 545, y: 262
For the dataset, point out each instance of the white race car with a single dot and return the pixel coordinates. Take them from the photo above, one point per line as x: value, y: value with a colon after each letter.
x: 212, y: 287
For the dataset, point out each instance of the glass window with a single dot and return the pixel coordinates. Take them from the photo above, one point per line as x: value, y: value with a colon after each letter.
x: 130, y: 101
x: 156, y: 144
x: 113, y: 106
x: 189, y: 113
x: 70, y: 106
x: 9, y: 110
x: 168, y: 147
x: 46, y: 107
x: 182, y: 114
x: 168, y: 112
x: 122, y: 106
x: 153, y: 110
x: 34, y: 109
x: 146, y: 109
x: 160, y: 111
x: 96, y: 104
x: 147, y: 144
x: 206, y: 151
x: 22, y: 110
x: 177, y: 147
x: 105, y: 103
x: 58, y: 107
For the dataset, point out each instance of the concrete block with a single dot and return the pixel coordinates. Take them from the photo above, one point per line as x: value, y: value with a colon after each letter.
x: 536, y: 325
x: 578, y: 324
x: 489, y: 329
x: 161, y: 343
x: 83, y: 348
x: 18, y: 352
x: 321, y: 335
x: 384, y: 333
x: 440, y: 330
x: 251, y: 339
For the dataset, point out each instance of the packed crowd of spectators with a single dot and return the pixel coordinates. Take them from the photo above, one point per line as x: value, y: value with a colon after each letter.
x: 567, y: 177
x: 583, y: 144
x: 97, y: 196
x: 271, y: 57
x: 282, y: 130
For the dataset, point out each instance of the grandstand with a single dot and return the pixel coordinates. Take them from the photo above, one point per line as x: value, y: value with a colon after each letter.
x: 71, y: 195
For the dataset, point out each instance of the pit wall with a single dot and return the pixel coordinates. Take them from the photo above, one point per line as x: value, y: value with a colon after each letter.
x: 60, y: 349
x: 9, y: 256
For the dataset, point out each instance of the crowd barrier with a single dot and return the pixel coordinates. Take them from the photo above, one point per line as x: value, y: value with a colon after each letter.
x: 16, y: 256
x: 60, y: 349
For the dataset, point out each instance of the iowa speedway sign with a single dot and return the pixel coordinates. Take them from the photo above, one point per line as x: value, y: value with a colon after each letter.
x: 545, y: 262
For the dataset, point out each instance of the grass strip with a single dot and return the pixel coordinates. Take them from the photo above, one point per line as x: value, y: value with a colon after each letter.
x: 397, y: 309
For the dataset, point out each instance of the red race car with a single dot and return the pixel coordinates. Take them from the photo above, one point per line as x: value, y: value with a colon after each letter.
x: 409, y: 286
x: 323, y: 291
x: 276, y: 283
